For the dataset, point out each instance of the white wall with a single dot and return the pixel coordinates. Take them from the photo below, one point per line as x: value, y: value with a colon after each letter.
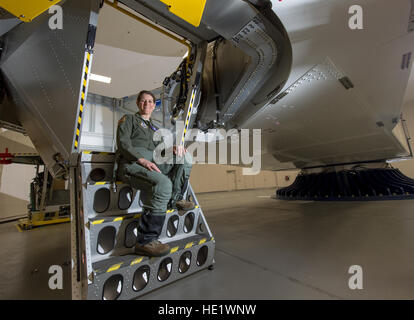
x: 407, y: 166
x: 215, y: 177
x: 98, y: 124
x: 15, y: 178
x: 15, y: 189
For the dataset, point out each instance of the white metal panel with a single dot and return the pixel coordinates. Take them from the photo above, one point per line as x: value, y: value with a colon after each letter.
x: 98, y: 125
x: 320, y: 122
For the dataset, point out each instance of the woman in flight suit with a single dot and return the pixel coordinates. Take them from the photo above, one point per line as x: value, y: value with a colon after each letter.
x: 159, y: 185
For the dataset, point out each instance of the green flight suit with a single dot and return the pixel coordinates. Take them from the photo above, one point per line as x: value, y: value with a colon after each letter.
x: 134, y: 141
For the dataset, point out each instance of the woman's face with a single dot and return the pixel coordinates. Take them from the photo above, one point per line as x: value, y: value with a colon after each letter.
x: 146, y: 105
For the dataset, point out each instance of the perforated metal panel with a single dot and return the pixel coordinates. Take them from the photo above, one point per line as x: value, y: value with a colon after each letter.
x: 107, y: 266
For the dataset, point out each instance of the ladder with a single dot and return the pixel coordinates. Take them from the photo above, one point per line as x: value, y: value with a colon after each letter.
x: 104, y: 222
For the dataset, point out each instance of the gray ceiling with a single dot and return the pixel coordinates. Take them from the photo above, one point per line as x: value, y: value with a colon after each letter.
x: 137, y: 57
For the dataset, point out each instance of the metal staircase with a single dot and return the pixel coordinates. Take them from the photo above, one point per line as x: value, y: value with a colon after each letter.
x: 104, y: 233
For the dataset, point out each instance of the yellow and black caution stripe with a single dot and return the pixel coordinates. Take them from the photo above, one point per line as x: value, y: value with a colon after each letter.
x: 114, y: 267
x: 189, y: 245
x: 136, y: 261
x: 173, y: 210
x: 139, y: 259
x: 202, y: 241
x: 99, y: 183
x: 115, y: 219
x: 83, y: 98
x: 190, y: 109
x: 97, y: 152
x: 102, y: 183
x: 175, y: 249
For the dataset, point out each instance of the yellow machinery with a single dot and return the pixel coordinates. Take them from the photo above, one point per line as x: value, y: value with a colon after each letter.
x: 27, y: 10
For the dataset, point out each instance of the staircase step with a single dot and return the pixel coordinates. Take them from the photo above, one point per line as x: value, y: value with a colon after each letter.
x: 131, y: 259
x: 130, y: 276
x: 105, y: 229
x: 116, y: 235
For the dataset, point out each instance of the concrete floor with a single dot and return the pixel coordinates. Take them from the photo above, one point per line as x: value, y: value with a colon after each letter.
x: 265, y: 249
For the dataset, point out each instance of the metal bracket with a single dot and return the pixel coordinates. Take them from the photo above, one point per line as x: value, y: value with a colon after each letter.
x: 411, y: 19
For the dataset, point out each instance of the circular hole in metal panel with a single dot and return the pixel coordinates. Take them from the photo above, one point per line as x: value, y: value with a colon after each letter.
x: 97, y: 174
x: 131, y: 233
x: 125, y: 198
x: 185, y: 262
x: 113, y: 287
x: 172, y: 226
x: 141, y: 278
x: 101, y: 200
x: 202, y: 256
x: 201, y: 228
x: 189, y: 222
x: 106, y: 240
x: 164, y: 269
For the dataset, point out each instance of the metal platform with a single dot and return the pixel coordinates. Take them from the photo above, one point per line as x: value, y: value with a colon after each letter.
x: 129, y: 276
x: 105, y: 216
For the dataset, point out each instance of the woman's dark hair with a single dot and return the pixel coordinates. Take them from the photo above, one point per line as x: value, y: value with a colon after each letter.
x: 145, y: 92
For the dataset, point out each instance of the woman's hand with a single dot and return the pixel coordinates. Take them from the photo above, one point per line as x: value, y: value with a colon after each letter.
x: 179, y: 150
x: 151, y: 166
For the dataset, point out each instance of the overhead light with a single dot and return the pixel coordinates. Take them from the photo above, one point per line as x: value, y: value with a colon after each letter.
x: 99, y: 78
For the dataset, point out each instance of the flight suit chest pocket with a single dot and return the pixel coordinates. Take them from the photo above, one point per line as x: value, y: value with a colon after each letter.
x: 140, y: 134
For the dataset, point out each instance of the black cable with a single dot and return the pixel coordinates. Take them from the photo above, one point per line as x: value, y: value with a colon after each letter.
x: 215, y: 80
